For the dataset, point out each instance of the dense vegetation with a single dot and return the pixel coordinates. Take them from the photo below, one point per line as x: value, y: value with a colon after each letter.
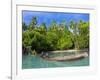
x: 63, y: 36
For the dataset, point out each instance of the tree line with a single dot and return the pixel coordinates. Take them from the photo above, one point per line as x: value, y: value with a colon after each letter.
x: 62, y: 36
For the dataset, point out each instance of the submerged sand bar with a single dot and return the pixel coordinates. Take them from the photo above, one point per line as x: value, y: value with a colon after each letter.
x: 67, y: 58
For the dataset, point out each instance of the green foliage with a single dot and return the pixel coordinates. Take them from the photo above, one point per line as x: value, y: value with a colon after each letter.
x: 56, y: 36
x: 33, y: 23
x: 51, y: 39
x: 24, y: 26
x: 83, y: 42
x: 83, y: 38
x: 64, y: 43
x: 42, y: 29
x: 26, y: 40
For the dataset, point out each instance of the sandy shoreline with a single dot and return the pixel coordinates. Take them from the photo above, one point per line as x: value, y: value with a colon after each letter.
x: 72, y: 50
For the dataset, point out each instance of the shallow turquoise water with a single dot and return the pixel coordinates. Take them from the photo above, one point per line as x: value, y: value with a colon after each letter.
x: 31, y: 62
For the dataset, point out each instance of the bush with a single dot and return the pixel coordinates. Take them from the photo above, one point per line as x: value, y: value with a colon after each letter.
x: 55, y: 37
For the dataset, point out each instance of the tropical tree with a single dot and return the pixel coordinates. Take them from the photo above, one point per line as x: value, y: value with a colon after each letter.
x: 53, y: 26
x: 43, y: 29
x: 74, y: 29
x: 51, y: 39
x: 33, y: 23
x: 64, y: 43
x: 24, y: 26
x: 83, y: 38
x: 26, y: 42
x: 54, y: 37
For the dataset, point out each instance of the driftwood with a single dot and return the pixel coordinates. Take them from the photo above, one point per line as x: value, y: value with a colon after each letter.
x: 68, y: 58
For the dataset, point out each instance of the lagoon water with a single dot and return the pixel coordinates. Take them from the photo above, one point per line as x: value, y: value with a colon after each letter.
x: 32, y: 61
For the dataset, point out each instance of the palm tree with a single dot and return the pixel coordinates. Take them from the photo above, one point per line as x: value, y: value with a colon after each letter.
x: 74, y: 28
x: 33, y: 23
x: 43, y: 28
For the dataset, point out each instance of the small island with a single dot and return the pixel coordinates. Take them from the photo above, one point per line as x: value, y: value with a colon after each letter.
x: 53, y: 38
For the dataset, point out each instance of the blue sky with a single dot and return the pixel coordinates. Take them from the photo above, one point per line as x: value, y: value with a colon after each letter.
x: 47, y: 17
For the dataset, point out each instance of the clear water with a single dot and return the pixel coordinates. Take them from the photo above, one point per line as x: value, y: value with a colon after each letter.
x: 31, y: 62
